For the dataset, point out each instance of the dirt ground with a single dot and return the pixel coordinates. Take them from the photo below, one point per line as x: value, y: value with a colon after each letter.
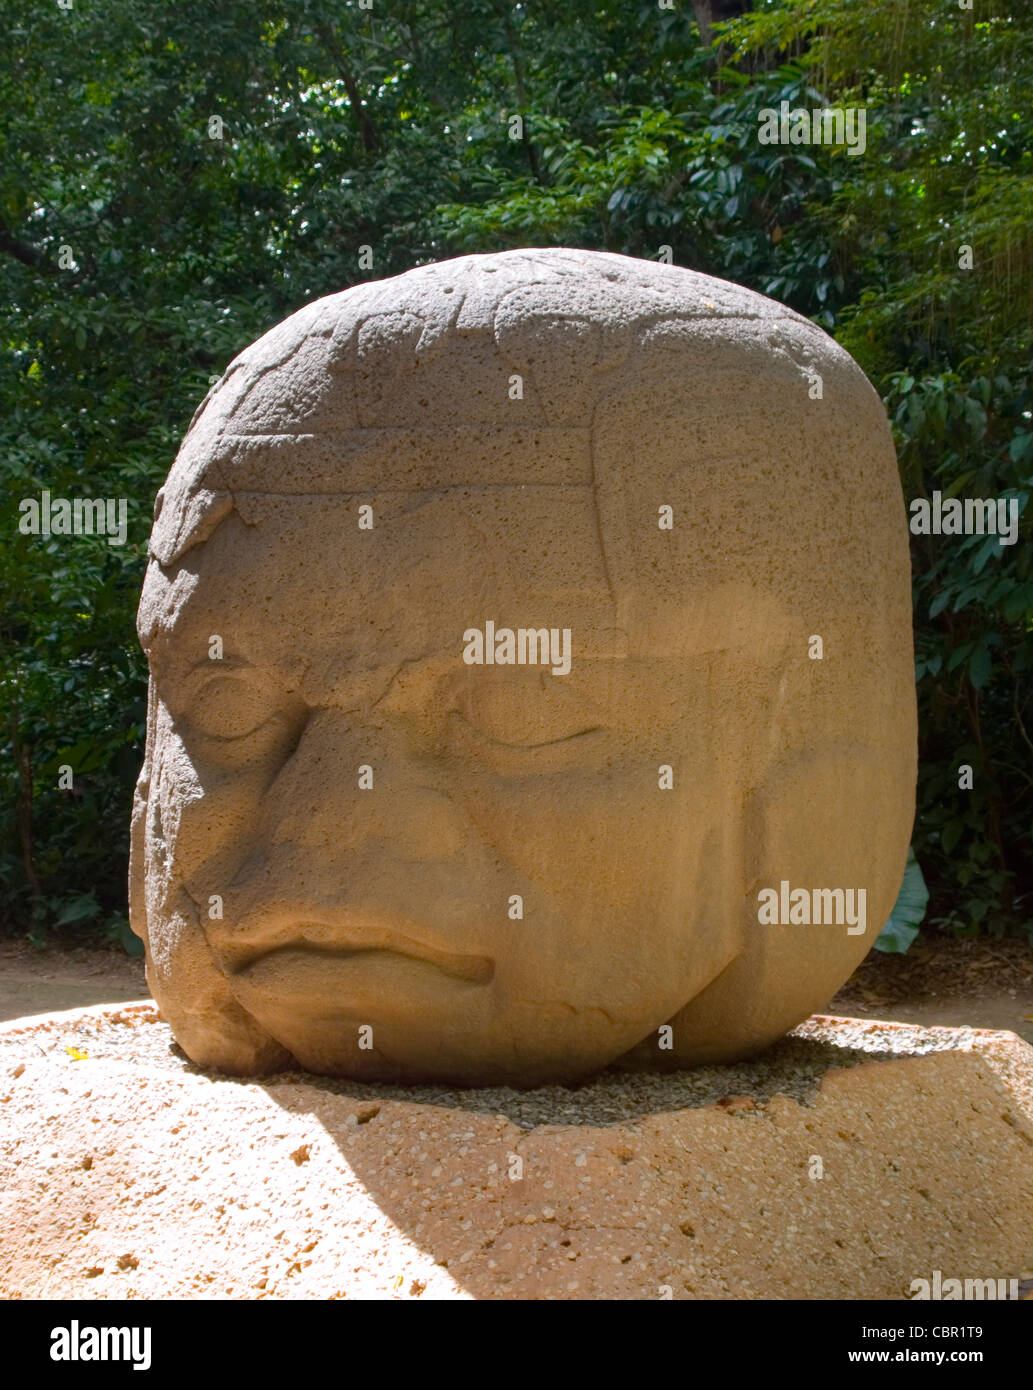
x: 40, y: 982
x: 979, y: 983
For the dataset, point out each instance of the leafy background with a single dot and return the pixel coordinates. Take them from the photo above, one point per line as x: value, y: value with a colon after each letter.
x: 389, y: 127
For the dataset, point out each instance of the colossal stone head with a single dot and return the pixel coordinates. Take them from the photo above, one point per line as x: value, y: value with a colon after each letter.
x: 521, y: 629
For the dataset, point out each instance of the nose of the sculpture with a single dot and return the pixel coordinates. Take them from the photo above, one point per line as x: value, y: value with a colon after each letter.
x: 358, y: 852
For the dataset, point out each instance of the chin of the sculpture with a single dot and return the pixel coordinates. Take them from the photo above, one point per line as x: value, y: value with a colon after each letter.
x: 234, y: 1046
x: 215, y: 1032
x: 234, y: 1057
x: 719, y: 1052
x: 469, y: 1074
x: 419, y: 1059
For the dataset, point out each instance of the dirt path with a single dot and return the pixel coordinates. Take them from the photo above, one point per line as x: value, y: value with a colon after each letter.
x: 39, y: 982
x: 984, y: 984
x: 981, y: 983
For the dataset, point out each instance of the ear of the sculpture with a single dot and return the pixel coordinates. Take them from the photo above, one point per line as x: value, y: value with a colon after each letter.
x: 823, y: 819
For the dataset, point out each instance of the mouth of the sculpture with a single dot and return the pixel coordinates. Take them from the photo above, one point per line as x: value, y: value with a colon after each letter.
x: 310, y: 950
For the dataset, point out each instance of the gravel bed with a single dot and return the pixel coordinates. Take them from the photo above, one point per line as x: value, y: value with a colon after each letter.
x: 134, y: 1035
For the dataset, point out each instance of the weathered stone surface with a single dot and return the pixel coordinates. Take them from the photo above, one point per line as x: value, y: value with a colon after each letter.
x: 356, y: 846
x: 130, y: 1174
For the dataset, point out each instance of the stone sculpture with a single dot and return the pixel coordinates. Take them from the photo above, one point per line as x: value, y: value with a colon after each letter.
x: 531, y: 680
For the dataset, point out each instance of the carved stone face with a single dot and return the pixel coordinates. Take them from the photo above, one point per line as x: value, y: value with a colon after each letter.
x: 357, y: 846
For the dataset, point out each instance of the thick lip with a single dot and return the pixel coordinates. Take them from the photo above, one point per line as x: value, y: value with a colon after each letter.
x: 350, y: 938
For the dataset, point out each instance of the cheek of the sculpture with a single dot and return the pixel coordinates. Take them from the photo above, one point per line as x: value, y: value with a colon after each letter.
x: 182, y: 973
x: 828, y: 820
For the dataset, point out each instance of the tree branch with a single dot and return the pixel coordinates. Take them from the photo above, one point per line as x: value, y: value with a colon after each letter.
x: 23, y: 251
x: 366, y: 127
x: 23, y: 763
x: 502, y: 10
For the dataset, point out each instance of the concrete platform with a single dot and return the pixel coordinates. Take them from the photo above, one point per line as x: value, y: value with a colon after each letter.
x: 849, y: 1161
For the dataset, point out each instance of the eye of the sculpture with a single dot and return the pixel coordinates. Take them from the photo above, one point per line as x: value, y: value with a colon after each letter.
x: 232, y: 706
x: 522, y: 714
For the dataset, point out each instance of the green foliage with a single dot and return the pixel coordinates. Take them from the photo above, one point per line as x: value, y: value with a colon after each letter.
x: 908, y: 911
x: 391, y: 128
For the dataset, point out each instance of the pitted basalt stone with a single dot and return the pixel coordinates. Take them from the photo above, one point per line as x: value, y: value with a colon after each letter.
x: 856, y: 1159
x: 357, y: 845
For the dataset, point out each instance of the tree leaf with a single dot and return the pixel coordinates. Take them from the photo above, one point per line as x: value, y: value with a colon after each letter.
x: 77, y: 910
x: 908, y: 911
